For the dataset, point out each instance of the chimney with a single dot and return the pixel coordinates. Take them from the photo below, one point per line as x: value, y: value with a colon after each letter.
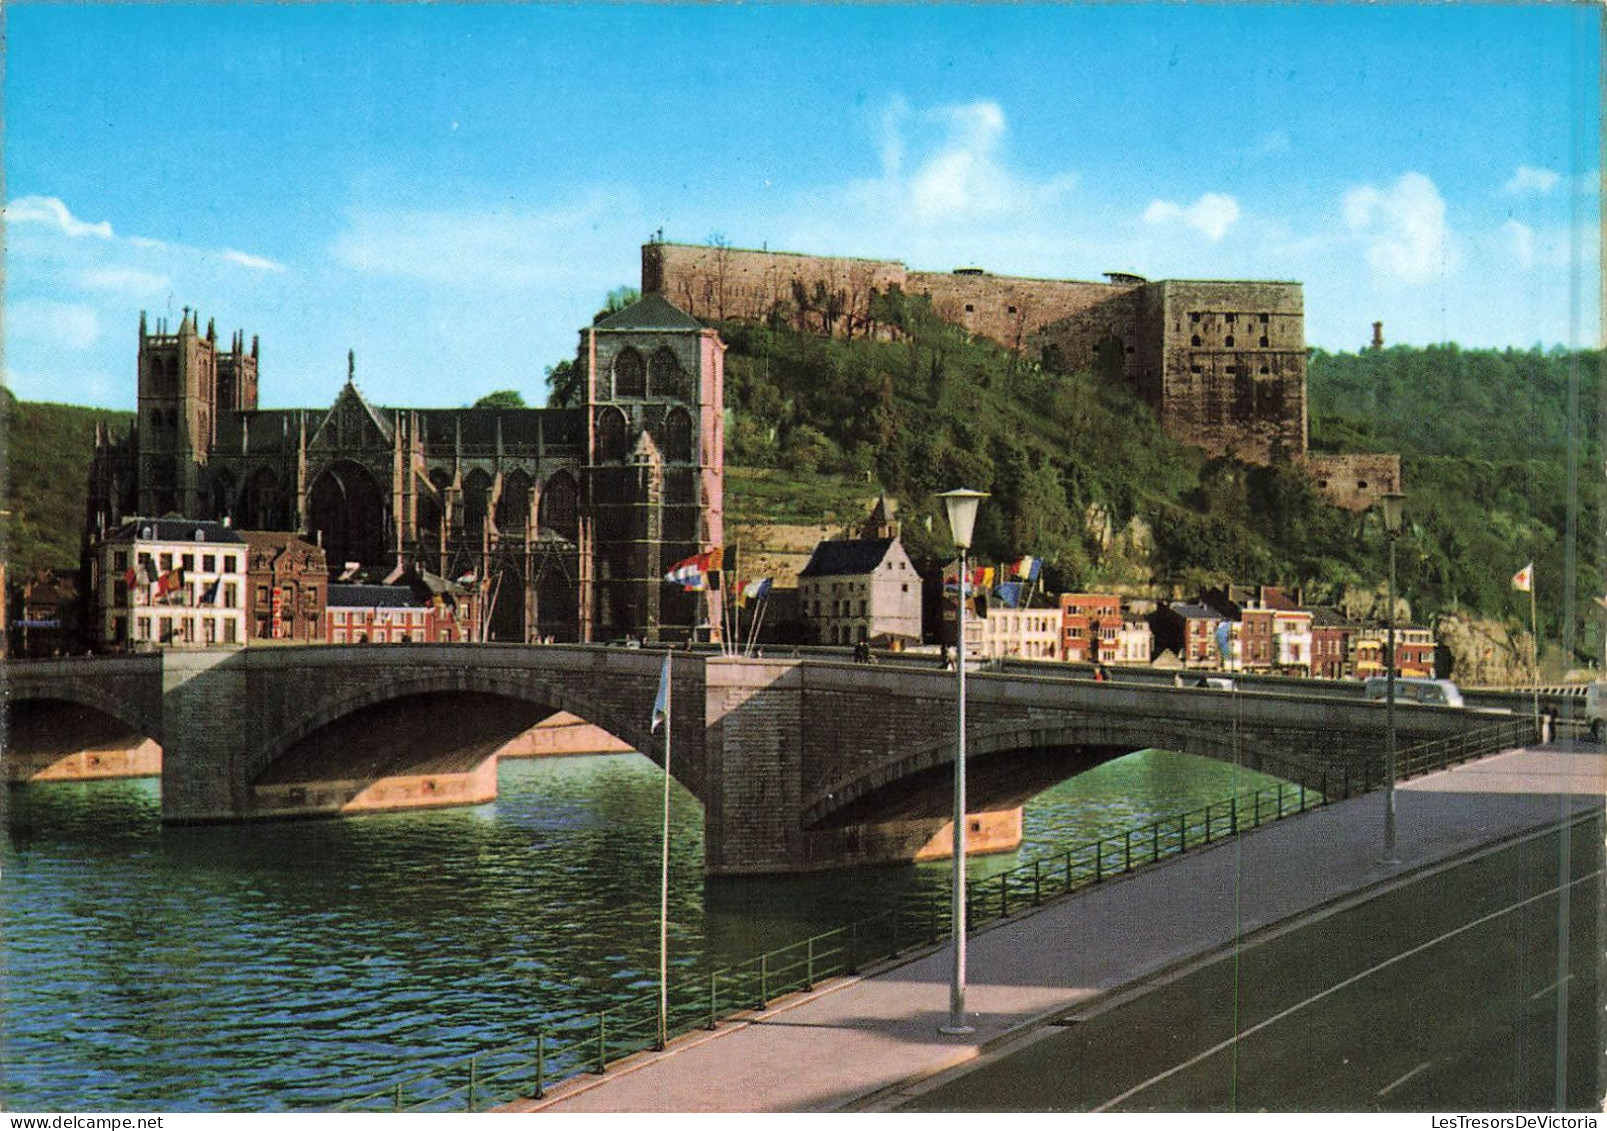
x: 1378, y: 335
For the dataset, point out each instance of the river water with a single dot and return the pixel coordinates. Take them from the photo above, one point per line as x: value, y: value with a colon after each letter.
x: 283, y: 966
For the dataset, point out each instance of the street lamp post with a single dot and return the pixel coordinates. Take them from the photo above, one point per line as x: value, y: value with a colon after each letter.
x: 1393, y: 514
x: 962, y: 505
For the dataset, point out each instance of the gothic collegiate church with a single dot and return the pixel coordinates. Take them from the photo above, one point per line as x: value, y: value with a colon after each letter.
x: 567, y: 518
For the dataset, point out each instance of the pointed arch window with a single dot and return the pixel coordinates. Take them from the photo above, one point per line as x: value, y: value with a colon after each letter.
x: 630, y: 375
x: 666, y: 377
x: 611, y: 434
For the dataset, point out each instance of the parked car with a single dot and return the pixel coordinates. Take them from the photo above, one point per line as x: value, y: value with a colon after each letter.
x: 1428, y: 692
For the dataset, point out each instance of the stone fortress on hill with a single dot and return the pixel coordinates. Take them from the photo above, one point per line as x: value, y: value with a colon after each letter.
x: 1222, y: 363
x: 568, y: 518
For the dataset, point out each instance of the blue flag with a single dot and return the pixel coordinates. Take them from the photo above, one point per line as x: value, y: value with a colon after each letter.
x: 1009, y: 593
x: 661, y: 702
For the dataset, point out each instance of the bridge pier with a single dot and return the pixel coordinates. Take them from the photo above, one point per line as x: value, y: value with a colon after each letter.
x: 766, y: 723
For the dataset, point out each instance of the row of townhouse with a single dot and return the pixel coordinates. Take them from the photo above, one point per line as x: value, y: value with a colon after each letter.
x: 157, y: 583
x: 1266, y: 630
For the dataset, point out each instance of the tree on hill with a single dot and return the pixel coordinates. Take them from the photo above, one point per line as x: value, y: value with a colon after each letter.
x: 502, y: 398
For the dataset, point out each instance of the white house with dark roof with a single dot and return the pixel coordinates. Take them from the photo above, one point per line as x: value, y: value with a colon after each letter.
x: 169, y: 583
x: 860, y: 589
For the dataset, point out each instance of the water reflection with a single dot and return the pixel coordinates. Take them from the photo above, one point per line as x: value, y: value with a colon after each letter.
x: 288, y: 965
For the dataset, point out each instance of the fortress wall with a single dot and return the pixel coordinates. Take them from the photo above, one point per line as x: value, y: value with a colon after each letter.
x: 1356, y: 481
x: 1006, y: 309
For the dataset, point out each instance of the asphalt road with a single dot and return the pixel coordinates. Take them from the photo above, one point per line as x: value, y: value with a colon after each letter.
x: 1444, y: 993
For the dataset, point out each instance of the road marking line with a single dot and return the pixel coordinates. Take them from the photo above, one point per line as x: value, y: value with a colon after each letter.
x: 1559, y: 982
x: 1333, y: 989
x: 1388, y: 1088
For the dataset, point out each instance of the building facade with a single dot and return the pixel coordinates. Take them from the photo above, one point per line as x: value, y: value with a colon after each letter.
x: 1015, y: 634
x: 861, y: 590
x: 395, y: 614
x: 567, y: 515
x: 287, y: 583
x: 1091, y: 626
x: 168, y: 583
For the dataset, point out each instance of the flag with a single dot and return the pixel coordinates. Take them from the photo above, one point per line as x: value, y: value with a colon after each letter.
x: 692, y: 574
x: 1523, y: 580
x: 754, y: 591
x: 128, y: 577
x: 982, y: 577
x: 351, y: 571
x: 466, y: 579
x: 210, y: 597
x: 661, y: 701
x: 1027, y: 568
x: 1009, y: 593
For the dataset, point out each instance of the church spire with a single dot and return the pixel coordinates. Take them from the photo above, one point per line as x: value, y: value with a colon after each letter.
x: 351, y: 367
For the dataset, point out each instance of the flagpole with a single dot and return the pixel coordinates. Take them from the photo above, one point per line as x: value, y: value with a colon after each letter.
x: 1534, y: 654
x: 664, y: 878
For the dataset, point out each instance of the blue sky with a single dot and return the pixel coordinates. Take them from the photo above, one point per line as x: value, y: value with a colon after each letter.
x: 452, y: 191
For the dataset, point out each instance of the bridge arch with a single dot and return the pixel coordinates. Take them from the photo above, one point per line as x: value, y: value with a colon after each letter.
x: 1092, y: 740
x: 86, y: 695
x: 549, y: 692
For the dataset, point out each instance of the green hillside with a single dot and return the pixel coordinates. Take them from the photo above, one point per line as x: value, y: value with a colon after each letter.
x: 1484, y: 437
x: 48, y: 448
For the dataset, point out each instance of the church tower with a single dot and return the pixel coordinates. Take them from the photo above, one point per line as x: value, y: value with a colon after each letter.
x: 655, y: 467
x: 177, y: 416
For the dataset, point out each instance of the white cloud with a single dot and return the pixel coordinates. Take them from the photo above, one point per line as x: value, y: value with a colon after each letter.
x: 948, y: 166
x: 1211, y: 215
x: 1529, y: 179
x: 54, y: 213
x: 59, y: 325
x: 1521, y: 241
x: 125, y: 280
x: 254, y: 262
x: 1403, y: 228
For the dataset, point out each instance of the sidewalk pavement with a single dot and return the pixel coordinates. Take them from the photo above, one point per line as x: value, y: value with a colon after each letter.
x: 858, y: 1039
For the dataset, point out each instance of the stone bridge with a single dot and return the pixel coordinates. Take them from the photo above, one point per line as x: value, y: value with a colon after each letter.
x: 798, y: 764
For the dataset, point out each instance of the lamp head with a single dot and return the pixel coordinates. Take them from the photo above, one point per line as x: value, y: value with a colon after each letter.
x: 1394, y: 511
x: 962, y: 504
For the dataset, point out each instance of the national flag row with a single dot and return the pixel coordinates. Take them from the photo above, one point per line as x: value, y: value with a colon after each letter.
x: 705, y: 571
x: 168, y: 585
x: 1008, y: 584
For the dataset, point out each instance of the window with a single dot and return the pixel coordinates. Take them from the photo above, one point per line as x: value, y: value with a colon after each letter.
x: 142, y: 628
x: 1194, y: 316
x: 338, y: 636
x: 1228, y: 341
x: 120, y: 561
x: 1195, y: 340
x: 209, y: 563
x: 969, y: 309
x: 228, y: 631
x: 167, y: 562
x: 230, y: 596
x: 230, y: 564
x: 187, y: 562
x: 1264, y: 341
x: 209, y: 630
x: 1227, y: 317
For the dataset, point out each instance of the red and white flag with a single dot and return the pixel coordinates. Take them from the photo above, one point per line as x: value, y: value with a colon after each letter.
x: 1523, y: 580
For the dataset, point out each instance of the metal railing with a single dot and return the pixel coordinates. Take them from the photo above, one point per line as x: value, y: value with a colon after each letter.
x: 589, y: 1043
